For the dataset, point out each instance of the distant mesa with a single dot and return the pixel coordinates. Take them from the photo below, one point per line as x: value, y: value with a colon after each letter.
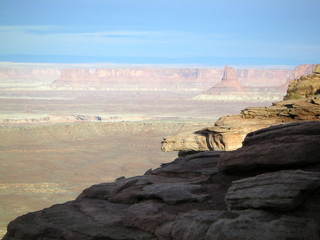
x: 215, y: 83
x: 228, y: 79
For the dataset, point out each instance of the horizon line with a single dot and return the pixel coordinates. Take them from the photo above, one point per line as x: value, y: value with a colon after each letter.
x: 169, y: 65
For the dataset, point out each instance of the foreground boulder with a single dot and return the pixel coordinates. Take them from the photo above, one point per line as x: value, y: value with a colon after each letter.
x: 194, y: 198
x: 283, y: 190
x: 262, y: 225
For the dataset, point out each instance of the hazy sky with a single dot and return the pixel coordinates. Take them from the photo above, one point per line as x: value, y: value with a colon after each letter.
x: 211, y: 32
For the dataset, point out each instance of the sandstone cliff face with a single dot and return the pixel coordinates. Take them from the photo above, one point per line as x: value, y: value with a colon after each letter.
x: 305, y: 86
x: 228, y: 132
x: 207, y: 195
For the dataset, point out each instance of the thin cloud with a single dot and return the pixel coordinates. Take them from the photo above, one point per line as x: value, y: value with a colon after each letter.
x: 26, y: 28
x: 69, y: 31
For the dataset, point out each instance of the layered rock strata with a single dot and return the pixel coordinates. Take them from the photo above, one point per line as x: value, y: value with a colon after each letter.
x: 195, y: 198
x: 170, y: 78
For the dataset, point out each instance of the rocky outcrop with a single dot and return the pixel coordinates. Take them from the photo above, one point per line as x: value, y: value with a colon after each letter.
x: 302, y: 151
x: 187, y: 141
x: 263, y: 226
x: 302, y: 70
x: 218, y: 137
x: 194, y: 198
x: 305, y: 86
x: 228, y: 132
x: 286, y: 111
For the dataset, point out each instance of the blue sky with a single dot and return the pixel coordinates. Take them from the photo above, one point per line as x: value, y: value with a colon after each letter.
x: 208, y: 32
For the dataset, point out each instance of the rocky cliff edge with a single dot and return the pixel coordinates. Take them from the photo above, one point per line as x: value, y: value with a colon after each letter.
x: 301, y: 103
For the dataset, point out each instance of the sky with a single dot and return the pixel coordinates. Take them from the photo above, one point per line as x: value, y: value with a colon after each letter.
x: 204, y: 32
